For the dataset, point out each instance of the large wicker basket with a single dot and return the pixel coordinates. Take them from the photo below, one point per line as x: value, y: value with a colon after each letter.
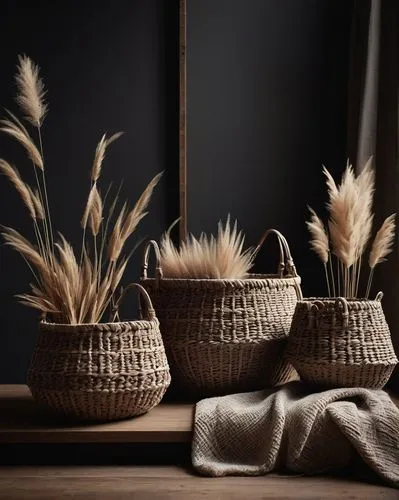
x: 341, y: 343
x: 225, y: 336
x: 103, y: 371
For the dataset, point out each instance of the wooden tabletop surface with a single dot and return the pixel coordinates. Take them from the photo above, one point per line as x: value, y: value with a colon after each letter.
x: 23, y: 421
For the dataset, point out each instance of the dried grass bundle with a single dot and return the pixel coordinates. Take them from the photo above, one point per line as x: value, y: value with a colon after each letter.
x: 68, y: 290
x: 208, y: 257
x: 349, y: 229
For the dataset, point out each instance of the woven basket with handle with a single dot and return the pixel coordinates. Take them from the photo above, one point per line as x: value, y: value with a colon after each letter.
x: 226, y: 335
x: 341, y: 343
x: 103, y: 371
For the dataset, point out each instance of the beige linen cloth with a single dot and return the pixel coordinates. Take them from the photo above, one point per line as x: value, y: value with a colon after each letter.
x: 292, y: 428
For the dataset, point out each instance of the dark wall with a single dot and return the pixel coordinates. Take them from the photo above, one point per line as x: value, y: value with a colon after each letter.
x: 108, y: 66
x: 266, y: 106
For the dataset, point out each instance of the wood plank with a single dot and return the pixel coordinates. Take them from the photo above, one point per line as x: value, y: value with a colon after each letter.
x: 23, y: 421
x: 106, y: 483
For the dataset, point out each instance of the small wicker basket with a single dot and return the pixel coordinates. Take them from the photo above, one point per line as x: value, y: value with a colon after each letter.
x: 226, y: 335
x: 341, y: 343
x: 103, y: 371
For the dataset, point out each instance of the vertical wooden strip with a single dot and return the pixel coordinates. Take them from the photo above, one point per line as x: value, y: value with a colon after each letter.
x: 182, y: 124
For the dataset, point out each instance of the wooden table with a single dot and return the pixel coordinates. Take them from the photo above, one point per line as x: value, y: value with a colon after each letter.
x: 23, y: 423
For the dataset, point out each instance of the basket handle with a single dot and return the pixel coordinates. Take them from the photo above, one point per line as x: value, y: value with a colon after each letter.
x: 341, y: 306
x: 286, y: 261
x: 158, y: 269
x: 313, y: 309
x: 149, y: 312
x: 379, y: 296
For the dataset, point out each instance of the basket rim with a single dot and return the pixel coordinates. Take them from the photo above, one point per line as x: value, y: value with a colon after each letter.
x: 332, y: 300
x: 257, y: 278
x: 139, y: 324
x: 363, y: 364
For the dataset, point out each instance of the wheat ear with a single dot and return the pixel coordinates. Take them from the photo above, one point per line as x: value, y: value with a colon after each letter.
x: 381, y: 247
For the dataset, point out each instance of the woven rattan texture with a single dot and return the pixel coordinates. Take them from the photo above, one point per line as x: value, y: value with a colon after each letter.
x: 224, y: 336
x: 99, y: 372
x: 328, y: 352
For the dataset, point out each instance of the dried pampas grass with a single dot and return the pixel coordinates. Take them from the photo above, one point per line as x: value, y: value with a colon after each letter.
x: 319, y: 243
x: 383, y: 241
x: 19, y: 132
x: 100, y: 154
x: 349, y: 230
x: 31, y: 91
x: 66, y: 289
x: 22, y: 189
x: 381, y: 247
x: 207, y: 257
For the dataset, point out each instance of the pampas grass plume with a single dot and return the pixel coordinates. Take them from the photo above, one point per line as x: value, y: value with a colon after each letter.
x: 23, y: 190
x: 31, y: 91
x: 100, y: 154
x: 207, y: 257
x: 319, y: 237
x: 383, y: 241
x: 18, y: 132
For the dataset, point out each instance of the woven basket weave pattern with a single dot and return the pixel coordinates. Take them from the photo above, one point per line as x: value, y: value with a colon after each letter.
x: 225, y: 336
x: 331, y: 346
x: 103, y: 371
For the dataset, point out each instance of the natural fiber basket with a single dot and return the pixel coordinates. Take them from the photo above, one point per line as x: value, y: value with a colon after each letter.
x: 341, y: 343
x: 103, y: 371
x: 226, y: 335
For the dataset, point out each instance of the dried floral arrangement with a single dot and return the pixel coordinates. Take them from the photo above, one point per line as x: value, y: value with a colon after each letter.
x: 208, y: 257
x: 341, y: 246
x: 67, y: 288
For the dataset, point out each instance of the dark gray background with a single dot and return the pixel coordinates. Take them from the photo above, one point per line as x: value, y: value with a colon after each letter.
x: 266, y: 107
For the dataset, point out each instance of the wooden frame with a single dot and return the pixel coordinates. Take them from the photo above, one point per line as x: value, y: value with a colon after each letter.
x: 182, y: 122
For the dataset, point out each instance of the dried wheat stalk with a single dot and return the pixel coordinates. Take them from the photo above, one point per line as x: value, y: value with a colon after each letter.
x: 65, y: 289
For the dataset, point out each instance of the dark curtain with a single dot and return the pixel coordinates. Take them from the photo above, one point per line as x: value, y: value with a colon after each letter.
x: 373, y: 127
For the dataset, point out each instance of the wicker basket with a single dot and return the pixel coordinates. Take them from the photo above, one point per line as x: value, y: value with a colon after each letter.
x: 341, y: 343
x: 225, y: 336
x: 104, y: 371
